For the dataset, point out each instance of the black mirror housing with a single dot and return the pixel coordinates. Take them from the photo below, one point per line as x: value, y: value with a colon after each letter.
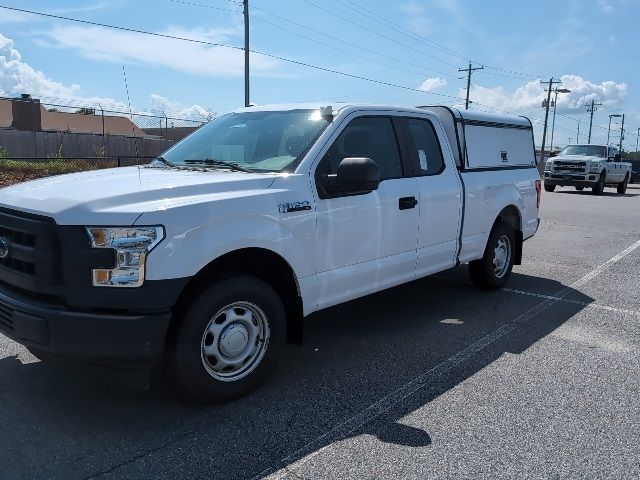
x: 355, y: 175
x: 553, y: 154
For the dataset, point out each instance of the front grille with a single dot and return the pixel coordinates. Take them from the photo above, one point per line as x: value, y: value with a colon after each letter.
x: 569, y: 167
x: 6, y: 318
x: 32, y: 254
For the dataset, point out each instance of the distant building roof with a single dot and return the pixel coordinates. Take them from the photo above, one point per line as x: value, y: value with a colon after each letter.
x: 54, y: 121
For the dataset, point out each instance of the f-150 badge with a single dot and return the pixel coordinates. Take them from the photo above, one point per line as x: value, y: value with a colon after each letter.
x: 294, y: 207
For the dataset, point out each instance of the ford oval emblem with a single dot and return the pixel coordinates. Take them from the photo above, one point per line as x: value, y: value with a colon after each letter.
x: 4, y: 248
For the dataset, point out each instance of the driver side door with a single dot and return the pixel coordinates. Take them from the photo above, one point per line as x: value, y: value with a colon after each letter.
x: 365, y: 242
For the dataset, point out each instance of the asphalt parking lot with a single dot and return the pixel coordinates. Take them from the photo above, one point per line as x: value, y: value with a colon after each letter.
x: 429, y: 380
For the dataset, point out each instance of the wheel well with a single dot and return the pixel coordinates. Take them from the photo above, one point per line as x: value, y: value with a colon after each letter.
x: 511, y: 216
x: 261, y: 263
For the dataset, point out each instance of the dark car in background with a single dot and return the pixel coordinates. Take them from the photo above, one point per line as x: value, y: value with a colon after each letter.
x: 635, y: 171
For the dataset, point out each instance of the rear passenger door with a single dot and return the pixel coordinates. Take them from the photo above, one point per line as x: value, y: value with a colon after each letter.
x: 440, y: 202
x: 365, y: 242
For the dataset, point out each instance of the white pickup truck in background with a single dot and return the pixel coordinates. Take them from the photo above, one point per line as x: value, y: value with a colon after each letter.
x: 594, y: 166
x: 207, y: 260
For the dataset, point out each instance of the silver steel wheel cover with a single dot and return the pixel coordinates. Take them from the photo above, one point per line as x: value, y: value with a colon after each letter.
x: 235, y: 341
x: 502, y: 256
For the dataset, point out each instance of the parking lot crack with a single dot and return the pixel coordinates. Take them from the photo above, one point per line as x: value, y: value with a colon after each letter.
x: 141, y: 455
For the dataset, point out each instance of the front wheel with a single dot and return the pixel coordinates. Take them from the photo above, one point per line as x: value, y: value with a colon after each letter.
x: 598, y: 188
x: 549, y: 188
x: 229, y: 339
x: 493, y: 270
x: 622, y: 187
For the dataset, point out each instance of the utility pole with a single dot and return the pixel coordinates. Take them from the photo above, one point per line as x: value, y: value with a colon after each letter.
x: 546, y: 115
x: 637, y: 137
x: 621, y: 135
x: 469, y: 71
x: 591, y: 108
x: 247, y: 99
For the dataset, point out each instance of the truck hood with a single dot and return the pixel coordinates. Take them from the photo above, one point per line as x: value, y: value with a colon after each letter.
x: 119, y: 196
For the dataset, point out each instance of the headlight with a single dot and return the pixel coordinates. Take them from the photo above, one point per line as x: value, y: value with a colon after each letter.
x: 132, y: 245
x: 548, y: 165
x: 595, y: 168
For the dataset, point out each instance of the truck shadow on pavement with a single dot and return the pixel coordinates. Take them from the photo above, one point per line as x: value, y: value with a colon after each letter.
x: 58, y: 423
x: 603, y: 194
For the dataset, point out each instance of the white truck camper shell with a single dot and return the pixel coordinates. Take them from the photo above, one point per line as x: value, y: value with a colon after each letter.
x: 481, y: 142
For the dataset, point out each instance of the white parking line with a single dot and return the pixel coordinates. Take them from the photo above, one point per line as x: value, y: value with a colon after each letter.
x: 575, y: 302
x: 286, y: 466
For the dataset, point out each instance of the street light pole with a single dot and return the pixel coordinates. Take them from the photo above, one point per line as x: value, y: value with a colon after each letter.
x: 555, y: 107
x: 637, y: 137
x: 546, y: 116
x: 609, y: 129
x: 247, y: 99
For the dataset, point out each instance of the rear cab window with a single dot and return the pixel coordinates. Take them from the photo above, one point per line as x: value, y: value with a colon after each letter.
x: 426, y: 147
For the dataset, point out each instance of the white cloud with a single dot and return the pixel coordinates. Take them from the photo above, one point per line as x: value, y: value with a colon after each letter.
x: 17, y: 77
x: 605, y: 6
x: 163, y: 106
x: 528, y: 97
x: 431, y: 84
x: 102, y: 44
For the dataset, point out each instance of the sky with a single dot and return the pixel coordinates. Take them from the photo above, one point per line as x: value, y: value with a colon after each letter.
x: 406, y: 53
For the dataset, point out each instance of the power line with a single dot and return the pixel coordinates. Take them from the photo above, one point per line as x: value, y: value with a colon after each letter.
x: 116, y: 27
x: 418, y: 37
x: 421, y: 74
x: 326, y: 35
x: 309, y: 2
x: 204, y: 42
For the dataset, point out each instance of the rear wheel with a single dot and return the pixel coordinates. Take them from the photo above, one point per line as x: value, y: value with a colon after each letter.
x: 579, y: 188
x: 549, y: 188
x: 228, y: 341
x: 622, y: 187
x: 598, y: 188
x: 493, y: 270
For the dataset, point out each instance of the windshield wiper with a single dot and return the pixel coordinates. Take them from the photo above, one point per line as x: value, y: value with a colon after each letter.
x: 168, y: 163
x: 218, y: 163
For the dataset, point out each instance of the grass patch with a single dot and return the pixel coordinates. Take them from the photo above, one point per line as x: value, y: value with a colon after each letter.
x: 53, y: 166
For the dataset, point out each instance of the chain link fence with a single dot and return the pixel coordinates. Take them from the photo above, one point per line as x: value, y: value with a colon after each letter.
x: 156, y: 124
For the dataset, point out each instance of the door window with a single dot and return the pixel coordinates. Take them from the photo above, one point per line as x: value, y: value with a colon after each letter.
x: 370, y: 137
x: 427, y: 147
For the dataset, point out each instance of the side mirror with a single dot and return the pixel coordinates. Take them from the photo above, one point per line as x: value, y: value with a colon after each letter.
x: 355, y: 175
x: 553, y: 154
x: 617, y: 158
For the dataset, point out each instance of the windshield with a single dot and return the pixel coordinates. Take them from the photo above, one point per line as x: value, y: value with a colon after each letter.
x: 257, y: 141
x: 586, y: 150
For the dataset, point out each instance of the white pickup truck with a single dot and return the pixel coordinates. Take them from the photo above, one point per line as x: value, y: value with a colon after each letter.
x: 595, y: 166
x: 207, y: 260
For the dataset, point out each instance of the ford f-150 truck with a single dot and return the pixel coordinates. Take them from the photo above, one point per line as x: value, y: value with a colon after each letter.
x: 595, y: 166
x: 207, y: 260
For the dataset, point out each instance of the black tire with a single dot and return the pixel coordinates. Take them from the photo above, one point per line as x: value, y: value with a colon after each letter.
x: 191, y: 372
x: 42, y: 356
x: 483, y: 271
x: 598, y: 188
x: 622, y: 187
x: 580, y: 189
x: 549, y: 188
